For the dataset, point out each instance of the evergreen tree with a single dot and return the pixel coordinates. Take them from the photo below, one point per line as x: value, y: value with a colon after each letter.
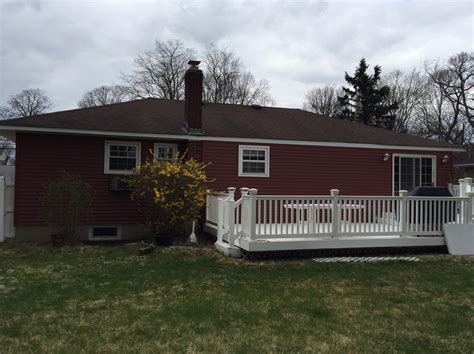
x: 366, y: 102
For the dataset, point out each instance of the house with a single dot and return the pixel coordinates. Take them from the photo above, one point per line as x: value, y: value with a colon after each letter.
x: 277, y: 150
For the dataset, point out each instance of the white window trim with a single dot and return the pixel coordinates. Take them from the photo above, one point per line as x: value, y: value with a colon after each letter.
x: 157, y: 145
x: 433, y: 167
x: 104, y: 238
x: 267, y: 160
x: 107, y: 170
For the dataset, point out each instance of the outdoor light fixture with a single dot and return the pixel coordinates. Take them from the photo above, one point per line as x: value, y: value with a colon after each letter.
x: 386, y: 156
x: 445, y: 158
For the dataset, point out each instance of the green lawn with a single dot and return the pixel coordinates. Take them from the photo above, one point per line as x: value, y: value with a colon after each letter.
x: 193, y: 299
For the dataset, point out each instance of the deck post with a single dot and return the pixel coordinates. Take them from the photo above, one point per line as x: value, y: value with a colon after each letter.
x: 462, y: 188
x: 231, y: 215
x: 468, y: 183
x: 335, y: 212
x: 469, y: 208
x: 253, y: 213
x: 220, y: 219
x: 244, y: 191
x: 403, y: 212
x: 231, y: 192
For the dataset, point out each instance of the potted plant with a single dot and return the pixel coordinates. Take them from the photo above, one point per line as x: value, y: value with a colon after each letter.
x: 170, y: 193
x: 65, y: 204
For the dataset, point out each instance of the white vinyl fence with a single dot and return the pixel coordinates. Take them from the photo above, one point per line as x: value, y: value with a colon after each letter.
x: 7, y: 188
x: 267, y: 217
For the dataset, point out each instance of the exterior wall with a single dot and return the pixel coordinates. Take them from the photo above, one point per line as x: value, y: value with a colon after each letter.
x: 41, y: 157
x: 314, y: 170
x: 294, y: 169
x: 194, y: 150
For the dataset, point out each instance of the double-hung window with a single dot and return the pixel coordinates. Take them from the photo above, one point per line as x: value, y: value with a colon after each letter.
x: 411, y: 171
x: 121, y: 157
x: 254, y: 161
x: 165, y: 151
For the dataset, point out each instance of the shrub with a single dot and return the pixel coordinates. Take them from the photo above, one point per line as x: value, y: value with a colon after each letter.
x: 169, y: 192
x: 66, y: 202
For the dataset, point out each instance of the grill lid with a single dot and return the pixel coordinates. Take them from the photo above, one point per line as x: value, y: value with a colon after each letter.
x: 430, y: 192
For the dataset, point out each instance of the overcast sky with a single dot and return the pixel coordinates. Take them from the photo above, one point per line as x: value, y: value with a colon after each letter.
x: 69, y: 47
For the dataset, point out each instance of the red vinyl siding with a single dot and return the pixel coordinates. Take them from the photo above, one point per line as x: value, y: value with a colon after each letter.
x: 42, y: 157
x: 294, y: 169
x: 313, y: 170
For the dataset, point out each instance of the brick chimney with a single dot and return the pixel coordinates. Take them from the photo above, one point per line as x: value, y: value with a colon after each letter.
x: 193, y: 98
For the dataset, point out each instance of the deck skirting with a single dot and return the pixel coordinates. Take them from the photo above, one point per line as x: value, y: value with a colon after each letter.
x: 310, y: 243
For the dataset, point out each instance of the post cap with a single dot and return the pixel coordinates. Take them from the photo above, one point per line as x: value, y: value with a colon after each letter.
x: 230, y: 189
x: 334, y: 191
x: 402, y: 193
x: 253, y: 191
x: 468, y: 180
x: 461, y: 180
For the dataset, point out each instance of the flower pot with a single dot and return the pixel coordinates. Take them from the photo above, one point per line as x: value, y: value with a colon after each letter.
x: 164, y: 239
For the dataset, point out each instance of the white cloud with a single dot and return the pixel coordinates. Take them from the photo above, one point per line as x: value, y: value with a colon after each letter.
x: 67, y: 48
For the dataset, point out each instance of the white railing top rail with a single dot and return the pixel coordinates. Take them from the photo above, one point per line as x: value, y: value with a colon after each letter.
x: 285, y: 197
x: 352, y: 197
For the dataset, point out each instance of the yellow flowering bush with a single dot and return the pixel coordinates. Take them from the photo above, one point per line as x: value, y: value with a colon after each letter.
x: 170, y: 192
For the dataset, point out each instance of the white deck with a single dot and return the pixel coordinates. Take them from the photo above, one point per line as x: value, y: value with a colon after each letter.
x: 258, y: 223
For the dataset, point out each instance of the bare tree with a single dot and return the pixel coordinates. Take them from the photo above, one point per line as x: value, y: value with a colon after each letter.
x: 323, y: 100
x: 160, y: 72
x: 438, y: 118
x: 227, y: 81
x: 27, y: 103
x: 409, y: 90
x: 7, y: 145
x: 447, y: 114
x: 5, y: 113
x: 103, y: 95
x: 455, y: 79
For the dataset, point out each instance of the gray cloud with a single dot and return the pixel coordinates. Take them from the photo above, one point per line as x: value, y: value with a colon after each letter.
x: 69, y: 47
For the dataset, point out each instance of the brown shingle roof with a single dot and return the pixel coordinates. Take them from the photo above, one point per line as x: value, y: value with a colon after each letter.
x: 158, y: 116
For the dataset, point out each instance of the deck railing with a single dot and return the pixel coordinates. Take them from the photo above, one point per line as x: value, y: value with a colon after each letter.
x: 273, y: 216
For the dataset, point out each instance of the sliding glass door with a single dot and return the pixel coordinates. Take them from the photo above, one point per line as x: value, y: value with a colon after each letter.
x: 410, y: 171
